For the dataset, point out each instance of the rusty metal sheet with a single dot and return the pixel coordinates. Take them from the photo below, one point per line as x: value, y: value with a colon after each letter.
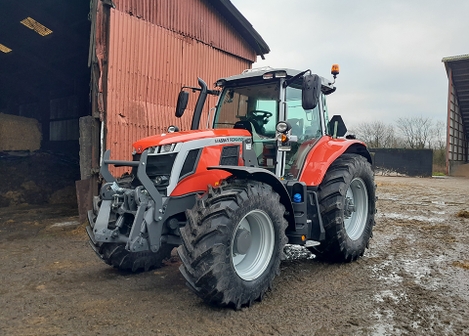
x: 147, y: 66
x: 179, y: 16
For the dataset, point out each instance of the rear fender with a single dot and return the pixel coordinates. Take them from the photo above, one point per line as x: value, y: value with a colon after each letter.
x: 326, y: 151
x: 265, y: 176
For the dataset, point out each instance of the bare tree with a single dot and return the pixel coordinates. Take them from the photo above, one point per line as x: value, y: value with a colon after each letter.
x: 438, y: 144
x: 417, y: 131
x: 376, y: 134
x: 438, y: 139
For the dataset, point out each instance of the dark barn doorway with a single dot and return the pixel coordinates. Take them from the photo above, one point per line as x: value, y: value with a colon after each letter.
x: 44, y: 90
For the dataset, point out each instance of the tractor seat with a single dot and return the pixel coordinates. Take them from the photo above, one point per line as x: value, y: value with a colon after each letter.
x: 243, y: 124
x: 256, y: 139
x: 296, y: 126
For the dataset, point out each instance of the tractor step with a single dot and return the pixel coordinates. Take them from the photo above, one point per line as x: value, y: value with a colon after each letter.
x: 311, y: 243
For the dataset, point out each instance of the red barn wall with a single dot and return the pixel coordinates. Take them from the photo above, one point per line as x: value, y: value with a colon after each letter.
x: 155, y: 48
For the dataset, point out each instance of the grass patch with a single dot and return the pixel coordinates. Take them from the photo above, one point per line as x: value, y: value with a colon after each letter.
x: 462, y: 264
x: 463, y: 214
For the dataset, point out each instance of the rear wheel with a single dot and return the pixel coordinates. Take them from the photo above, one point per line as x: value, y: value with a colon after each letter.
x: 233, y: 243
x: 347, y: 201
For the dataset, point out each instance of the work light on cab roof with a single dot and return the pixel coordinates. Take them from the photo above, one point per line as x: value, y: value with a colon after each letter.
x: 335, y: 71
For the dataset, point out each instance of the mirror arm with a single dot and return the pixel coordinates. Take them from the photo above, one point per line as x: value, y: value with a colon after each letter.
x: 294, y: 78
x: 211, y: 92
x: 214, y: 92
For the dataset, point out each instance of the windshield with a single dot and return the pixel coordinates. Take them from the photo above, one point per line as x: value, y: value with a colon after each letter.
x: 256, y: 104
x: 256, y: 107
x: 306, y: 125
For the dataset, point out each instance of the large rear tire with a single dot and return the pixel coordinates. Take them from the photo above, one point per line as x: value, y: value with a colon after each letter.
x: 348, y: 205
x: 233, y: 243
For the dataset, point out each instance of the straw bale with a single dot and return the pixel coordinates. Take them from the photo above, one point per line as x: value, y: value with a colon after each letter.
x: 19, y: 133
x: 461, y: 170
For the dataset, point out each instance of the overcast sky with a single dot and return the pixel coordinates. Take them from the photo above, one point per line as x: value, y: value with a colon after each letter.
x: 389, y: 52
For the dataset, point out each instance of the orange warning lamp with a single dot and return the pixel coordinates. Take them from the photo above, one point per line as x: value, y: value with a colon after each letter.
x: 335, y: 70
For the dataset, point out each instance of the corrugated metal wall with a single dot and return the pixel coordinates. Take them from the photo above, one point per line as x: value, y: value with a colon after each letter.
x: 456, y: 142
x: 148, y: 64
x: 195, y: 19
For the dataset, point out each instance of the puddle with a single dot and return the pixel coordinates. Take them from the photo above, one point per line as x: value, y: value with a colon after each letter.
x: 446, y: 203
x: 381, y: 296
x: 64, y: 224
x: 383, y: 327
x: 382, y: 272
x: 421, y: 201
x: 426, y: 219
x: 418, y: 269
x: 421, y: 271
x: 387, y: 197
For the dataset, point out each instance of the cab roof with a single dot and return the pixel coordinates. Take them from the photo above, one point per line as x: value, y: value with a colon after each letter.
x: 257, y: 74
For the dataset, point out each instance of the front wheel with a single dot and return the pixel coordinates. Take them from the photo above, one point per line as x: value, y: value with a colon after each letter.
x: 348, y: 205
x: 116, y: 255
x: 233, y: 243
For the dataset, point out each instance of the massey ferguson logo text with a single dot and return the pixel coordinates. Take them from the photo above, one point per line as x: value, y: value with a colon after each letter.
x: 223, y: 140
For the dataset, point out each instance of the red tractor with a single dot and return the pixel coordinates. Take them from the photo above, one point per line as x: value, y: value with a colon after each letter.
x: 271, y: 169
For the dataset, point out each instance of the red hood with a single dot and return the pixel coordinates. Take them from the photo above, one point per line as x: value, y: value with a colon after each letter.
x: 185, y: 136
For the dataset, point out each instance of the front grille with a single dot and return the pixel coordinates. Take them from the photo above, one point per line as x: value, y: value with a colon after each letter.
x: 229, y: 156
x: 159, y: 165
x: 190, y: 165
x: 158, y: 169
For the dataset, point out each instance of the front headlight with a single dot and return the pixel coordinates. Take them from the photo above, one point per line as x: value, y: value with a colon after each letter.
x: 283, y: 127
x: 167, y: 148
x: 161, y: 180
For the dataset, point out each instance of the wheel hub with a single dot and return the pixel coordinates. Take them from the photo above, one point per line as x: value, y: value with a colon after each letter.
x: 349, y: 207
x: 252, y: 245
x: 356, y: 208
x: 242, y: 241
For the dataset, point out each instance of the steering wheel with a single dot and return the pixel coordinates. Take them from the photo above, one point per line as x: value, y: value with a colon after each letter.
x: 259, y: 114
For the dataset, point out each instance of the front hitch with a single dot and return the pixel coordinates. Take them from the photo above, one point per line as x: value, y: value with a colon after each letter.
x: 144, y: 203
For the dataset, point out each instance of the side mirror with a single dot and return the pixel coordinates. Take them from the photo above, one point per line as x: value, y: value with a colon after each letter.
x: 311, y: 91
x: 183, y: 98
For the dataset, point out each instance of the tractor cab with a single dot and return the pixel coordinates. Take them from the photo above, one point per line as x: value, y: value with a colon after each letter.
x: 272, y: 105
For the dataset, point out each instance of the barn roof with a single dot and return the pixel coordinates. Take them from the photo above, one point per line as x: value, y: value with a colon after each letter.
x: 242, y: 25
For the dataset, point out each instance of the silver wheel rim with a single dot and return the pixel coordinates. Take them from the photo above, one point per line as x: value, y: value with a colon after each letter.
x: 356, y: 208
x: 251, y: 264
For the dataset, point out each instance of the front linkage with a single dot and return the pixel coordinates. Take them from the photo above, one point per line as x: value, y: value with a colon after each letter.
x: 131, y: 219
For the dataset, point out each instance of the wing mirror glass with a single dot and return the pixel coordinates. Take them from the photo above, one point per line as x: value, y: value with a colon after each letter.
x: 311, y: 91
x: 183, y: 98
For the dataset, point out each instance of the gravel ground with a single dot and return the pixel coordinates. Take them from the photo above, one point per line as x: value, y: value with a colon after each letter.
x: 413, y: 280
